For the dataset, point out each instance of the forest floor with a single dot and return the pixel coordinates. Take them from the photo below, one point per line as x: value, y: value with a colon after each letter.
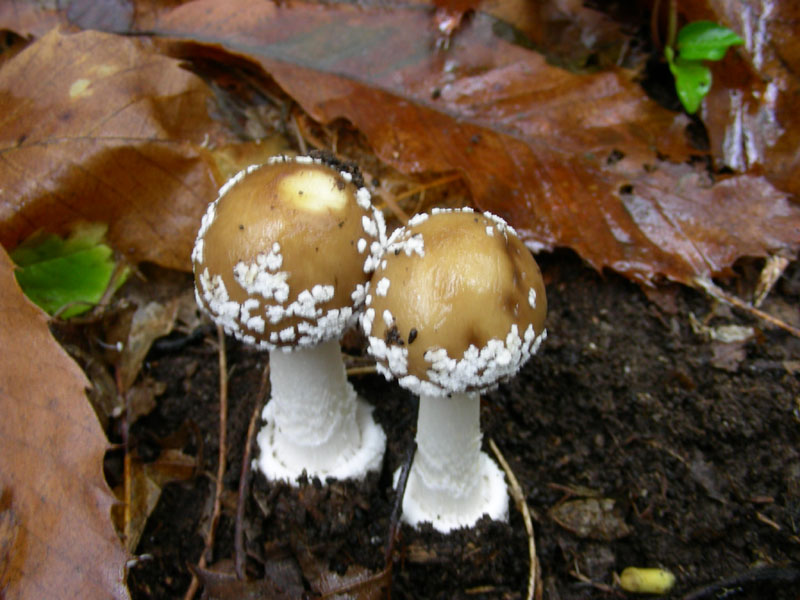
x: 637, y: 439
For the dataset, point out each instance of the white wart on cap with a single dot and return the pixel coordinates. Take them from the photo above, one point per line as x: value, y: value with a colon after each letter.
x: 457, y: 304
x: 283, y: 255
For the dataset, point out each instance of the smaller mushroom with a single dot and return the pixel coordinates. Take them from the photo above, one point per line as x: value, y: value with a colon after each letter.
x: 457, y: 304
x: 282, y: 261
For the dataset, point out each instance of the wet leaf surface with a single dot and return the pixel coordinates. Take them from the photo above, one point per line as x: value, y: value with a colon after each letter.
x: 537, y: 145
x: 112, y: 137
x: 52, y: 447
x: 751, y: 112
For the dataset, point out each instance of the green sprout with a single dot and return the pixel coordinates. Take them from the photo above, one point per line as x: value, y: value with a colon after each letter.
x: 66, y: 276
x: 697, y: 42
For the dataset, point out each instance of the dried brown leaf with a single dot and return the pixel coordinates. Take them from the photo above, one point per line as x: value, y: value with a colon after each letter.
x: 593, y: 518
x: 150, y: 322
x: 147, y: 480
x: 29, y: 18
x: 52, y: 448
x: 281, y: 582
x: 102, y: 128
x: 552, y: 152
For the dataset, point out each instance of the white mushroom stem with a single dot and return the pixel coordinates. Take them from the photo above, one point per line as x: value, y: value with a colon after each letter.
x: 314, y: 421
x: 452, y: 483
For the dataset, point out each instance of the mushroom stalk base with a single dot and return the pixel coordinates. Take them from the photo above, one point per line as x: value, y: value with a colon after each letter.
x: 314, y: 421
x: 452, y: 483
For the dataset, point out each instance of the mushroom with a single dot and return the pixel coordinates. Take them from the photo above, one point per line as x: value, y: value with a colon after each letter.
x: 456, y: 305
x: 282, y: 261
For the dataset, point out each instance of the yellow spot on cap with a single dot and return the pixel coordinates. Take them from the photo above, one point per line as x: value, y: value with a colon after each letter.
x: 314, y: 190
x: 80, y: 88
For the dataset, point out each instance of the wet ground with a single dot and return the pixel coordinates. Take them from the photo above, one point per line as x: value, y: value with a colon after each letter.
x: 637, y: 438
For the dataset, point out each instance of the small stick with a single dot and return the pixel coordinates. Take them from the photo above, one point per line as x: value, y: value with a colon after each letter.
x: 223, y: 426
x: 301, y: 142
x: 363, y: 370
x: 394, y: 522
x: 126, y: 460
x: 522, y: 506
x: 718, y: 293
x: 244, y: 479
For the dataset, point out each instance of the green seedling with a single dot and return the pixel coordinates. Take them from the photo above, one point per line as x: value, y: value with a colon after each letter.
x: 697, y: 42
x: 66, y: 276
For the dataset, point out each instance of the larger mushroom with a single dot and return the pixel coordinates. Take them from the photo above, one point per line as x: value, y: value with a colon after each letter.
x: 457, y: 305
x: 282, y: 261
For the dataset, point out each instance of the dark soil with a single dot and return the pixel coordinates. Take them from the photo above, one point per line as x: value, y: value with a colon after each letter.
x: 695, y: 444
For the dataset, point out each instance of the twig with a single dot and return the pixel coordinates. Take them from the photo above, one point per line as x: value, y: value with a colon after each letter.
x: 654, y: 24
x: 223, y: 426
x: 126, y: 459
x: 596, y: 585
x: 522, y: 506
x: 301, y: 142
x: 244, y: 479
x: 363, y: 370
x: 672, y: 23
x: 394, y: 521
x: 718, y: 293
x: 428, y: 185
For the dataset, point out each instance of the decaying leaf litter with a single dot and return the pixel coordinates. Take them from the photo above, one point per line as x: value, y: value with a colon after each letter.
x: 104, y: 137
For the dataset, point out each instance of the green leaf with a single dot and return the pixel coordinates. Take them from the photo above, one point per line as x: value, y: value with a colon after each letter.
x: 54, y: 272
x: 692, y: 80
x: 705, y: 40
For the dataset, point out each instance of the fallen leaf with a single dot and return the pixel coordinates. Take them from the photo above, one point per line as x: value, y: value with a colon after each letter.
x: 102, y: 128
x: 554, y: 153
x: 593, y: 518
x: 150, y: 322
x: 281, y: 581
x: 147, y: 480
x: 751, y: 112
x: 52, y: 448
x: 9, y: 532
x: 30, y: 18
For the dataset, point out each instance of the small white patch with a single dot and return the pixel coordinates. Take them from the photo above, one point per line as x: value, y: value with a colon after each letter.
x: 215, y: 299
x: 256, y: 324
x: 287, y: 335
x: 364, y: 198
x: 388, y: 318
x: 361, y: 246
x: 256, y: 279
x: 236, y: 179
x: 490, y: 231
x: 478, y: 369
x: 391, y: 359
x: 197, y: 251
x: 382, y: 287
x: 359, y: 295
x: 366, y: 320
x: 417, y: 219
x: 369, y: 226
x: 322, y: 293
x: 532, y: 298
x: 402, y: 240
x: 500, y: 223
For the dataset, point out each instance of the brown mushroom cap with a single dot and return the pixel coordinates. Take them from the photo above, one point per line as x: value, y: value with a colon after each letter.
x: 457, y: 303
x: 283, y: 256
